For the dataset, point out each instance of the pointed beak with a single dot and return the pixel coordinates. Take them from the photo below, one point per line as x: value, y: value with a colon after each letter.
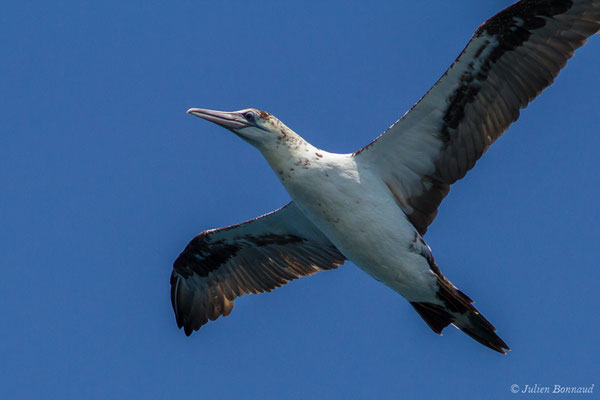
x: 229, y: 120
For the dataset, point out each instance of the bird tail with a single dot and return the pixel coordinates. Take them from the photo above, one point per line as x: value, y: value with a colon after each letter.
x: 457, y: 309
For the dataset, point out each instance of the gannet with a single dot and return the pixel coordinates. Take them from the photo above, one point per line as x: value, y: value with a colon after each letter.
x: 374, y: 206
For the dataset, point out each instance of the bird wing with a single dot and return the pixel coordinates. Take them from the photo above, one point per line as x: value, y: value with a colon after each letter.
x: 510, y: 59
x: 256, y: 256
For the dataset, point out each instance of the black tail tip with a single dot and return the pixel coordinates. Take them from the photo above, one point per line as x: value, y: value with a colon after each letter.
x: 480, y: 329
x: 488, y: 339
x: 470, y: 322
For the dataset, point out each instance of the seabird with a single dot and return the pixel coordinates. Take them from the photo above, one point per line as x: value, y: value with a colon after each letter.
x: 373, y: 207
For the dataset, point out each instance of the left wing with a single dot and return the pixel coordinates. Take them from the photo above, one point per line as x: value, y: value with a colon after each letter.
x: 256, y: 256
x: 511, y: 58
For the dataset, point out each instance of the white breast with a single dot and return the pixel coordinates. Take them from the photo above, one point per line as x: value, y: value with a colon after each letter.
x: 358, y: 213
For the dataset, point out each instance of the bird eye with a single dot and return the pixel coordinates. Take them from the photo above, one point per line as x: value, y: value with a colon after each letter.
x: 249, y: 116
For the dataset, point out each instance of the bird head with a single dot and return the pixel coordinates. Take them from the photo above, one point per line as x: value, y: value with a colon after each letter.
x: 258, y: 128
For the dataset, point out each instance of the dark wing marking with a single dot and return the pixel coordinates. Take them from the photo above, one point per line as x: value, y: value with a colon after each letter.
x: 511, y: 58
x: 253, y: 257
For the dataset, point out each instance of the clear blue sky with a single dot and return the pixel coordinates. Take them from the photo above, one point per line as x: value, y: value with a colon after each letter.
x: 105, y: 179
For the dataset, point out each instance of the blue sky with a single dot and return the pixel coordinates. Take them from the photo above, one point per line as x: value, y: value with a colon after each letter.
x: 105, y: 179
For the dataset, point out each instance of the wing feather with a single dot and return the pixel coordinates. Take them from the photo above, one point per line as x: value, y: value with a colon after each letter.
x: 510, y: 59
x: 253, y: 257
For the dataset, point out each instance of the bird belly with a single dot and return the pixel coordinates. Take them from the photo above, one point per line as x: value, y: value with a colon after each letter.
x: 364, y: 222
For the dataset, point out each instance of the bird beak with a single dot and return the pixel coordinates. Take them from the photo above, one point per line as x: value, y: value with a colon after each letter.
x: 229, y: 120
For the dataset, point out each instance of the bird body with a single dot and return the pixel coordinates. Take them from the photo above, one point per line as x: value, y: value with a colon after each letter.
x: 374, y: 206
x: 345, y: 199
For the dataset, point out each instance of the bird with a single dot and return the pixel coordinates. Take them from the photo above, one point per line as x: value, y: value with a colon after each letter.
x: 373, y: 207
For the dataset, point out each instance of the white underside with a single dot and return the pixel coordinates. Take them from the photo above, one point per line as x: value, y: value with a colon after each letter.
x: 354, y: 208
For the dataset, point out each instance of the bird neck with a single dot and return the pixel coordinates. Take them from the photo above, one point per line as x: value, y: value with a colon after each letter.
x: 286, y: 150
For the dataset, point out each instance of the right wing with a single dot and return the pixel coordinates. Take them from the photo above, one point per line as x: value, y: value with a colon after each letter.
x: 511, y: 58
x: 256, y: 256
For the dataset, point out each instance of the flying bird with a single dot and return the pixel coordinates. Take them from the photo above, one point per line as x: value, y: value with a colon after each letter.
x: 373, y: 207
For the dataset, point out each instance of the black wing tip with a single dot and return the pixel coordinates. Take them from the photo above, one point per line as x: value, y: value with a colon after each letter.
x: 189, y: 325
x: 189, y: 330
x: 185, y: 315
x: 528, y: 11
